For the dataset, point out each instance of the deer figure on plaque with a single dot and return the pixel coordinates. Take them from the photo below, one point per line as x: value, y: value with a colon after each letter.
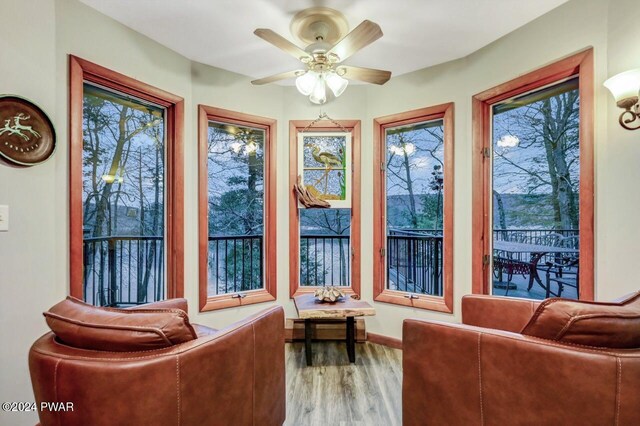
x: 18, y: 128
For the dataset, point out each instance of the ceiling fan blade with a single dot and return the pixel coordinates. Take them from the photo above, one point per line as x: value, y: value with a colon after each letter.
x: 368, y: 75
x: 282, y: 43
x: 361, y: 36
x: 276, y: 77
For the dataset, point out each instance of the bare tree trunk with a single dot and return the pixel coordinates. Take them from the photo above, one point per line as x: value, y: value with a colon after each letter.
x: 555, y: 129
x: 412, y: 202
x: 157, y: 229
x: 252, y: 161
x: 501, y: 214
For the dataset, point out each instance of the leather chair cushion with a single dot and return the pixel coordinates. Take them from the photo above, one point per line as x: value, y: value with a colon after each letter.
x: 610, y: 325
x: 85, y: 326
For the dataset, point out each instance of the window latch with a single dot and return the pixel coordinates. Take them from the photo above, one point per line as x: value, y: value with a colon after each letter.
x: 411, y: 296
x: 485, y: 260
x: 239, y: 296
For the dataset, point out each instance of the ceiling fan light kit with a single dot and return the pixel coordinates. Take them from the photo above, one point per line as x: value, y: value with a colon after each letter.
x: 314, y: 84
x: 324, y: 29
x: 319, y: 94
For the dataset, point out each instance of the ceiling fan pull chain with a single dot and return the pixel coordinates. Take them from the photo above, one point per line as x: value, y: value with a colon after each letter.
x: 324, y: 116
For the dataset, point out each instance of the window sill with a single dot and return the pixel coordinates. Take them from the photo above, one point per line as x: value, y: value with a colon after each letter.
x: 224, y: 301
x: 431, y: 303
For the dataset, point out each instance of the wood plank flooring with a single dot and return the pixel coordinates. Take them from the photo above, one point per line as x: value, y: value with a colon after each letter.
x: 334, y: 392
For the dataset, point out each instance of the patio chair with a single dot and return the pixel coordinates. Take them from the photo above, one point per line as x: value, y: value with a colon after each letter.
x: 511, y: 267
x: 563, y: 273
x: 551, y: 239
x: 572, y: 242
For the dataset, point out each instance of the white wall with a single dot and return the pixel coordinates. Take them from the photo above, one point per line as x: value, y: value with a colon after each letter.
x: 618, y: 200
x: 34, y: 253
x: 28, y: 279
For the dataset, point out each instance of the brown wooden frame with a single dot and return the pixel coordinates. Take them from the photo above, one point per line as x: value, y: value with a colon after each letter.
x: 380, y: 291
x: 295, y: 127
x: 80, y: 71
x: 269, y: 292
x: 580, y: 64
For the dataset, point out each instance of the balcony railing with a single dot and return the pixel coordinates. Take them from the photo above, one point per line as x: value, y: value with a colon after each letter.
x: 129, y: 270
x: 235, y: 264
x: 123, y: 270
x: 324, y: 260
x: 414, y: 261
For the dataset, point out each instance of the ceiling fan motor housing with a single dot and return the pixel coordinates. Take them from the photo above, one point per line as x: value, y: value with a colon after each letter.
x: 319, y: 24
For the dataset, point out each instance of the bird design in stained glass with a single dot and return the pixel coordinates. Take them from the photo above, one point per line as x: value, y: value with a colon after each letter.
x: 320, y: 180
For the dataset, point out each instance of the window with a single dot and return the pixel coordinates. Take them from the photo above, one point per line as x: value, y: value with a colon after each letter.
x: 236, y: 209
x: 533, y: 184
x: 413, y: 208
x: 125, y: 167
x: 326, y: 240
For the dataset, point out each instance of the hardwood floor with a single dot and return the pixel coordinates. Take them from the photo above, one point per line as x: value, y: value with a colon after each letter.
x: 334, y: 392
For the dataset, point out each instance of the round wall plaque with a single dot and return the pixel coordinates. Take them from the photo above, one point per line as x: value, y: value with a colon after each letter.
x: 27, y: 136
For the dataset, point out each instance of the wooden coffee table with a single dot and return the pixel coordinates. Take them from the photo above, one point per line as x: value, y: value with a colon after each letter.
x: 309, y: 309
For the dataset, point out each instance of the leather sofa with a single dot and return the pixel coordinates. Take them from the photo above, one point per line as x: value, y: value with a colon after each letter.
x: 150, y: 366
x: 517, y: 362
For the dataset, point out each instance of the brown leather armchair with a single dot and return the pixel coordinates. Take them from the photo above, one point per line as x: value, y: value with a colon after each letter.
x: 516, y: 362
x: 232, y: 376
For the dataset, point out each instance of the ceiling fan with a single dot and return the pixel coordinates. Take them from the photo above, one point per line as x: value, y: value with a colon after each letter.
x: 324, y: 31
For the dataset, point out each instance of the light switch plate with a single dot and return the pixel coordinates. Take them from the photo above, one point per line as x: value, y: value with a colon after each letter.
x: 4, y: 218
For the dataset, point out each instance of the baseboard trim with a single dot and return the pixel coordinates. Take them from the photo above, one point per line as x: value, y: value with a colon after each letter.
x: 391, y: 342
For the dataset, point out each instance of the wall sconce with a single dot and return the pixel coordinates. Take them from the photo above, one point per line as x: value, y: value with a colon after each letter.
x: 625, y: 88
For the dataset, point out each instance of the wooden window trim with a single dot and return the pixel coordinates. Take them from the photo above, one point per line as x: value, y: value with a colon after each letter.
x: 80, y: 71
x: 269, y: 292
x: 296, y: 126
x: 380, y: 292
x: 582, y: 65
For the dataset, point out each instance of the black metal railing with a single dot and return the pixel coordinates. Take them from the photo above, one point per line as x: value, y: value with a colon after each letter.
x: 235, y: 264
x: 414, y: 231
x: 325, y: 260
x: 414, y: 261
x: 123, y: 270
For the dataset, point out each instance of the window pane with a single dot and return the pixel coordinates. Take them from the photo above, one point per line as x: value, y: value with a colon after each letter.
x: 414, y: 181
x: 325, y: 250
x: 123, y: 199
x: 536, y: 165
x: 236, y: 208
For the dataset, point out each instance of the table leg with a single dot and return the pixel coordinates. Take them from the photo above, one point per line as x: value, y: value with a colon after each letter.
x: 533, y: 274
x: 351, y: 341
x: 534, y: 277
x: 307, y: 340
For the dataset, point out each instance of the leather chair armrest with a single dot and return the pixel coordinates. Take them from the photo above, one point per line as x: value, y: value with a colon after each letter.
x: 240, y: 371
x: 500, y: 313
x: 460, y: 374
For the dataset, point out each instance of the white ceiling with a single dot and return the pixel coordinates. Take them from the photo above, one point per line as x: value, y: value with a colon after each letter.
x: 417, y: 33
